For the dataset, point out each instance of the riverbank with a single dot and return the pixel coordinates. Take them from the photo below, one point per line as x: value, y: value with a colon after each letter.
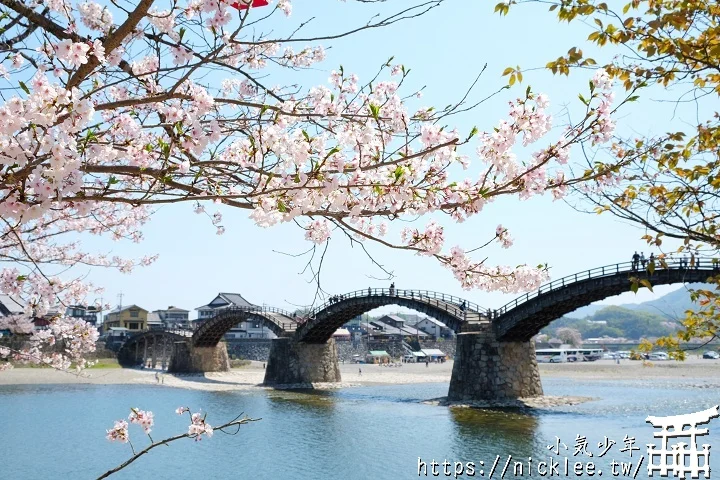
x: 695, y: 371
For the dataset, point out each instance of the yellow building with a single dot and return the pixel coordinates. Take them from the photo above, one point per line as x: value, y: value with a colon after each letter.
x: 131, y: 317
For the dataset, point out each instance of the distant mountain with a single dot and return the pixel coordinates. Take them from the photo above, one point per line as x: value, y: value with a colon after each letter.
x: 673, y: 305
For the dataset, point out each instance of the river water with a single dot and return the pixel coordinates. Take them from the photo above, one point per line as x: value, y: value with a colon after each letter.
x: 374, y: 432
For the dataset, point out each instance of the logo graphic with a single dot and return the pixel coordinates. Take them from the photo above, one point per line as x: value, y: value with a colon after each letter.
x: 682, y: 458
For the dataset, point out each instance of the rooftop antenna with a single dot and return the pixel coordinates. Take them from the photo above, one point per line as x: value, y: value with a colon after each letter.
x: 120, y: 295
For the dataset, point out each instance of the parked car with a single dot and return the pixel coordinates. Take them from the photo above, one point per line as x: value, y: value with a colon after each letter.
x: 658, y: 356
x: 558, y: 359
x: 711, y: 355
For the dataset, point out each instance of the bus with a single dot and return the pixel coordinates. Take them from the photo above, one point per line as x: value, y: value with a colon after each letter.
x: 562, y: 355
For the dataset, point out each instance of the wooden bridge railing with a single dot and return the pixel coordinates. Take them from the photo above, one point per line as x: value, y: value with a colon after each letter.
x: 437, y: 299
x: 705, y: 263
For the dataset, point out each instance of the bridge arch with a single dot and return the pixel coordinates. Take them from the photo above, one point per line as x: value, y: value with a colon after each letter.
x: 322, y: 322
x: 525, y: 316
x: 153, y: 345
x: 280, y: 322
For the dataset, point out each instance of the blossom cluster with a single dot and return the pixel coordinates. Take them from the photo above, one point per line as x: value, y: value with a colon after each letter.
x: 198, y: 426
x: 142, y: 418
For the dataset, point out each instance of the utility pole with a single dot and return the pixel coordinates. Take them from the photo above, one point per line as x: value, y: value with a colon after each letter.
x: 120, y: 297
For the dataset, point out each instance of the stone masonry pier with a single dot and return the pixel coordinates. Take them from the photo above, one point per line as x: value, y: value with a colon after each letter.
x: 486, y: 369
x: 189, y: 359
x: 292, y: 362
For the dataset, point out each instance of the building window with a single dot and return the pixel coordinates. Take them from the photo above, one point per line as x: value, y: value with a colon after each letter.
x: 134, y: 326
x: 134, y: 313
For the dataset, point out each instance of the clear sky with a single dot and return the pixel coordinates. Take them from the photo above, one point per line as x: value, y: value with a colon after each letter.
x: 446, y: 49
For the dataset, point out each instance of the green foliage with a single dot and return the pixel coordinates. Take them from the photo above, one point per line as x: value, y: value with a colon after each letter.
x: 620, y: 322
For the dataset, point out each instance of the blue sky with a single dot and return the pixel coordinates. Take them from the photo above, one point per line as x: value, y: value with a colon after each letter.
x: 446, y: 49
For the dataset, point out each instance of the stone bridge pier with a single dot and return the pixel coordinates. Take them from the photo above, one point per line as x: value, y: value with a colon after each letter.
x: 187, y: 358
x: 292, y: 362
x: 487, y: 369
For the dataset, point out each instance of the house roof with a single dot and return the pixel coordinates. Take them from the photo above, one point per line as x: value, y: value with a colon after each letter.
x: 234, y: 299
x: 378, y: 353
x: 11, y: 304
x: 392, y: 317
x: 118, y: 309
x: 432, y: 320
x: 172, y: 309
x: 432, y: 352
x: 342, y: 331
x: 414, y: 332
x: 153, y: 317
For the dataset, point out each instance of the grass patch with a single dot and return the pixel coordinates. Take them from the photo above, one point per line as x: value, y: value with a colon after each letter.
x: 239, y: 363
x: 107, y: 363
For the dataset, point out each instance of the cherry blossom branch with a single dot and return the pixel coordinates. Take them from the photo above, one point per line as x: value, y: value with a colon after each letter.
x: 198, y: 428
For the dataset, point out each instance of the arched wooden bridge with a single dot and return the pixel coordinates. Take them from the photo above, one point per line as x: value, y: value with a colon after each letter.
x: 153, y: 345
x: 518, y: 320
x: 326, y: 319
x: 525, y: 316
x: 282, y: 323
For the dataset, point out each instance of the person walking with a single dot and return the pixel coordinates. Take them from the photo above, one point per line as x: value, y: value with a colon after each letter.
x: 360, y: 371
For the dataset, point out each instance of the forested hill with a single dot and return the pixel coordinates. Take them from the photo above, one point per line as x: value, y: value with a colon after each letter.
x: 672, y: 306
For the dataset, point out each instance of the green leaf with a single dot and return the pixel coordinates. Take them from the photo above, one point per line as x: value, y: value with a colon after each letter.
x: 634, y: 287
x: 375, y: 110
x: 21, y: 278
x: 182, y: 33
x: 633, y: 98
x: 473, y: 132
x: 24, y: 87
x: 113, y: 181
x: 651, y: 268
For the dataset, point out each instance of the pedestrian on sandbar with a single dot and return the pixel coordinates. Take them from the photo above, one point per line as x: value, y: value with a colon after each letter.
x: 360, y: 371
x: 157, y: 377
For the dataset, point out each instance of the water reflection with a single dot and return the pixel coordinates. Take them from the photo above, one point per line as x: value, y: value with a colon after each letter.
x: 303, y: 401
x: 485, y: 433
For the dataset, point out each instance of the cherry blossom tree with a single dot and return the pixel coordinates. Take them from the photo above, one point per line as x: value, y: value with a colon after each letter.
x: 113, y: 108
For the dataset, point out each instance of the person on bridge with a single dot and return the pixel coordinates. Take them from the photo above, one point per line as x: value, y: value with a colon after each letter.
x: 642, y: 259
x: 635, y: 260
x: 369, y: 291
x: 392, y: 289
x: 651, y: 260
x: 462, y: 306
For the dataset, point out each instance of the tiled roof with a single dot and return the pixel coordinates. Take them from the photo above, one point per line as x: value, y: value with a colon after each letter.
x: 11, y: 304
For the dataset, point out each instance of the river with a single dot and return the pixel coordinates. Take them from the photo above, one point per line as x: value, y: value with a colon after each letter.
x: 371, y: 432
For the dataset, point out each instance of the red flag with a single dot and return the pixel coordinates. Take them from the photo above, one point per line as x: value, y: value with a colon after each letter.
x: 245, y: 4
